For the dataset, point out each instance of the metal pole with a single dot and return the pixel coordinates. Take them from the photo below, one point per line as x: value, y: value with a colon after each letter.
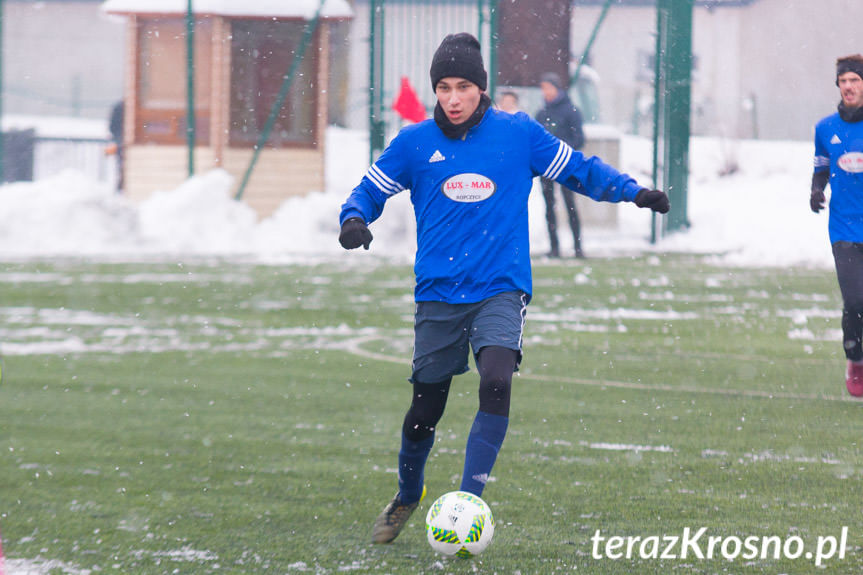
x: 658, y: 89
x: 481, y: 13
x: 672, y: 110
x: 376, y: 79
x: 2, y: 137
x: 754, y: 100
x: 372, y: 123
x: 590, y: 41
x: 494, y: 38
x: 678, y: 108
x: 190, y: 86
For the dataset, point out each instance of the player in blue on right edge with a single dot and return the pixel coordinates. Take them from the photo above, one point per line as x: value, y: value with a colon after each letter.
x: 469, y: 171
x: 839, y: 161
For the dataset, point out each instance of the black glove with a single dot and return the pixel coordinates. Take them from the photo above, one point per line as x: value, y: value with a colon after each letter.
x: 819, y: 182
x: 354, y: 234
x: 656, y: 200
x: 816, y: 200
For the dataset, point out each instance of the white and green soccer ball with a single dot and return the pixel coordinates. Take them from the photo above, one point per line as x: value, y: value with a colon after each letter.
x: 459, y: 523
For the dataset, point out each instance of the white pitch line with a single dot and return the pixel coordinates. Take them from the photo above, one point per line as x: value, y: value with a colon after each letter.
x: 686, y: 389
x: 354, y: 346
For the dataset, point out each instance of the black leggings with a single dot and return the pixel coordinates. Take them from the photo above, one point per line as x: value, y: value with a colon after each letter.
x: 849, y: 270
x: 495, y: 365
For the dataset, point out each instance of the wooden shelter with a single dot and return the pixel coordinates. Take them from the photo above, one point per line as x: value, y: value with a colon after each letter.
x: 242, y: 51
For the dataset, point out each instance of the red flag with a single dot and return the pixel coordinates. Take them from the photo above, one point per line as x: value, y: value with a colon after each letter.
x: 408, y: 104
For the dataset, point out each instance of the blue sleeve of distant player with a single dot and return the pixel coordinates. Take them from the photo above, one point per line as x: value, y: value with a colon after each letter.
x: 591, y: 177
x: 822, y: 155
x: 385, y: 178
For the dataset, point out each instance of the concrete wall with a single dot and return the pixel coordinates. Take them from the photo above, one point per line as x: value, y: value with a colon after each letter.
x: 776, y: 54
x: 604, y: 144
x: 61, y: 59
x: 788, y: 58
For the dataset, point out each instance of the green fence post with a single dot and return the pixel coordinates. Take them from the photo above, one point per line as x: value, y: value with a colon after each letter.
x: 2, y: 53
x: 586, y: 53
x: 679, y: 110
x: 190, y: 86
x: 376, y: 79
x: 658, y: 92
x: 480, y: 7
x: 672, y: 106
x: 494, y: 38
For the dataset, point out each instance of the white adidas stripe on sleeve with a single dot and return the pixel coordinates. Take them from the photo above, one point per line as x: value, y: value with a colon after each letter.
x: 384, y: 183
x: 564, y: 153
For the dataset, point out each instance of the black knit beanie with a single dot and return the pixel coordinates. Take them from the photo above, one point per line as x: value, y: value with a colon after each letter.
x: 849, y: 64
x: 552, y: 79
x: 459, y: 56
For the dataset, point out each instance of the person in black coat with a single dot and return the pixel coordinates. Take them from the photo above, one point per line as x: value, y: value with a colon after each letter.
x: 563, y: 120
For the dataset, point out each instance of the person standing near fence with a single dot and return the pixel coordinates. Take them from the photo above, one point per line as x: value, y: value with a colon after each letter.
x: 563, y: 120
x: 469, y: 171
x: 115, y: 126
x: 839, y: 162
x: 507, y: 101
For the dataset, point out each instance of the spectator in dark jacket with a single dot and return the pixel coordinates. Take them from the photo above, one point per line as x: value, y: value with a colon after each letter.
x: 563, y: 120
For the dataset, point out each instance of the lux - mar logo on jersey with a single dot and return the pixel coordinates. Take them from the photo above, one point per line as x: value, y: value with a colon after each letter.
x: 851, y: 162
x: 468, y: 188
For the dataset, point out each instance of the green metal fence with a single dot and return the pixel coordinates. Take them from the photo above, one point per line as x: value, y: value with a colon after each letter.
x: 306, y: 40
x: 672, y: 110
x: 405, y: 33
x: 403, y: 37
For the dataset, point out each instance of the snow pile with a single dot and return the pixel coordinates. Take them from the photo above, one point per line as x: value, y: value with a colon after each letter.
x: 64, y: 215
x: 759, y: 215
x: 748, y: 205
x: 169, y: 220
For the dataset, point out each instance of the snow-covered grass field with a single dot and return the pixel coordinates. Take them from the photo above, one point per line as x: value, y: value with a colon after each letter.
x: 229, y: 417
x: 188, y: 389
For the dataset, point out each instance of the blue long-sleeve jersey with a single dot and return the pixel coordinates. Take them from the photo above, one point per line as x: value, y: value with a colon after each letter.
x: 470, y: 199
x: 839, y: 148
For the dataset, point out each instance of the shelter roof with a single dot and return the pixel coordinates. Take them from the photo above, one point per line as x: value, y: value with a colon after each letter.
x: 246, y: 8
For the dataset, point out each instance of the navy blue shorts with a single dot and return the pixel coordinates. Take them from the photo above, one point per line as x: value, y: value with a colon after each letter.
x: 444, y: 332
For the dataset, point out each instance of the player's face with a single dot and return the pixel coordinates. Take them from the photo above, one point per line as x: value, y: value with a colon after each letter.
x: 458, y: 97
x: 851, y: 88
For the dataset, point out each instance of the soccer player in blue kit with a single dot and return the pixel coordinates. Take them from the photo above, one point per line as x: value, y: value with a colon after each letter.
x: 839, y: 161
x: 469, y: 171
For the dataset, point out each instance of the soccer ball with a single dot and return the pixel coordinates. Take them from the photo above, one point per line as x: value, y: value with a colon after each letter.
x: 459, y: 523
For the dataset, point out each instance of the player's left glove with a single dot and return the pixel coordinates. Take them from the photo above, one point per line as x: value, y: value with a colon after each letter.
x: 656, y: 200
x: 354, y: 234
x: 819, y: 183
x: 817, y: 200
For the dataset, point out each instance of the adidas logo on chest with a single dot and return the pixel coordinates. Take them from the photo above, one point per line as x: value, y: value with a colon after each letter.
x: 436, y: 157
